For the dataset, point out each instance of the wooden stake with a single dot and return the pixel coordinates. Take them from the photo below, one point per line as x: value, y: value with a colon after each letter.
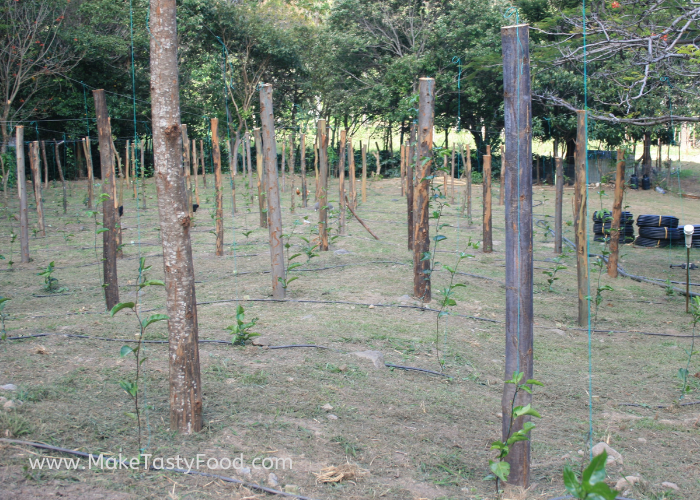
x: 274, y: 212
x: 202, y: 161
x: 181, y: 302
x: 316, y: 143
x: 502, y: 187
x: 410, y: 201
x: 452, y: 177
x: 109, y: 217
x: 558, y: 202
x: 234, y: 169
x: 88, y: 161
x: 421, y: 238
x: 519, y: 285
x: 218, y: 191
x: 302, y: 160
x: 360, y: 220
x: 580, y: 203
x: 22, y: 195
x: 127, y: 163
x: 444, y: 176
x: 402, y: 164
x: 35, y: 165
x: 341, y: 183
x: 57, y: 157
x: 487, y: 245
x: 133, y: 168
x: 615, y: 232
x: 249, y: 161
x: 259, y: 165
x: 46, y: 164
x: 363, y: 148
x: 351, y: 165
x: 322, y: 135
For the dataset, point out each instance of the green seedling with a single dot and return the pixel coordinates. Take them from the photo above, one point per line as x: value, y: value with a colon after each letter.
x: 240, y: 332
x: 592, y: 485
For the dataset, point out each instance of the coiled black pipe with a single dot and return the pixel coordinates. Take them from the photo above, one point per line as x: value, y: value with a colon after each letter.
x: 622, y: 238
x: 657, y: 221
x: 662, y: 233
x: 600, y: 228
x: 606, y: 215
x: 651, y: 243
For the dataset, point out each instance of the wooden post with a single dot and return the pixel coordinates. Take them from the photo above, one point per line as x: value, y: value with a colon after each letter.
x: 274, y: 212
x: 186, y: 168
x: 234, y: 169
x: 410, y: 168
x: 424, y: 164
x: 35, y: 165
x: 502, y: 187
x: 341, y: 183
x: 487, y: 245
x: 467, y: 200
x: 259, y: 170
x: 452, y: 177
x: 558, y: 202
x: 202, y: 161
x: 46, y: 164
x: 133, y: 168
x: 127, y: 162
x: 615, y: 232
x: 143, y: 175
x: 57, y: 157
x: 109, y: 216
x: 22, y: 194
x: 302, y: 161
x: 379, y: 164
x: 316, y: 146
x: 88, y: 162
x: 402, y: 166
x: 249, y: 161
x: 117, y: 199
x: 322, y: 135
x: 181, y: 302
x: 218, y: 191
x: 291, y: 174
x: 195, y: 164
x: 351, y: 165
x: 518, y: 181
x: 580, y: 203
x: 363, y: 148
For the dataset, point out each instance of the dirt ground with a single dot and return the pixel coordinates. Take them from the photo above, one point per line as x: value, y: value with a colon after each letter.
x: 407, y: 435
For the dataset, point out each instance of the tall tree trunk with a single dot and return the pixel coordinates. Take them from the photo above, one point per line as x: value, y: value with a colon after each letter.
x: 57, y: 157
x: 181, y: 303
x: 22, y: 193
x: 218, y: 191
x: 646, y: 156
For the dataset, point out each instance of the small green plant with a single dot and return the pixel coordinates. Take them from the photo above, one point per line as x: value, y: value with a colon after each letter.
x: 499, y: 467
x: 50, y: 283
x: 13, y: 238
x: 477, y: 177
x: 552, y: 272
x: 240, y: 332
x: 592, y: 485
x: 131, y: 387
x: 683, y: 372
x: 3, y: 317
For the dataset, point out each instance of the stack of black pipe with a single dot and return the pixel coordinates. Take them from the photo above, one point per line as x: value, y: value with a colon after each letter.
x: 659, y: 231
x: 602, y: 221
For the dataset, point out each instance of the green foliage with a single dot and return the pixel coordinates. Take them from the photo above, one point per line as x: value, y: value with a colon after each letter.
x: 50, y: 283
x: 684, y: 372
x: 240, y: 332
x: 3, y: 317
x: 592, y: 485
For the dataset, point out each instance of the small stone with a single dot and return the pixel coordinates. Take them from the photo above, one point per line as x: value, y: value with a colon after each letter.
x: 291, y: 488
x: 558, y: 332
x: 327, y: 407
x: 272, y: 480
x: 371, y: 306
x: 244, y: 471
x: 308, y: 317
x: 673, y: 486
x: 290, y: 379
x: 8, y: 387
x: 261, y: 341
x: 342, y: 251
x: 9, y: 405
x: 499, y: 415
x: 626, y: 482
x: 613, y: 455
x: 641, y: 440
x: 246, y: 297
x: 332, y: 417
x: 375, y: 356
x: 230, y: 381
x: 343, y: 368
x: 580, y: 452
x: 405, y: 298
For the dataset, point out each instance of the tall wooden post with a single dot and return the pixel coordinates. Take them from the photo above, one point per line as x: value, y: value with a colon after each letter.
x: 109, y: 216
x: 580, y: 203
x: 558, y: 202
x: 351, y: 167
x: 292, y: 190
x: 34, y: 163
x: 22, y: 194
x: 316, y: 176
x: 233, y: 171
x: 341, y: 183
x: 259, y: 177
x: 274, y: 213
x: 90, y: 171
x: 615, y: 232
x: 57, y: 157
x: 363, y: 148
x: 127, y: 162
x: 424, y: 165
x: 410, y: 169
x: 502, y: 188
x: 202, y: 161
x: 46, y: 164
x: 302, y: 161
x: 402, y: 167
x: 181, y: 303
x: 143, y: 173
x: 452, y: 177
x: 487, y: 245
x: 519, y: 312
x: 322, y: 135
x: 218, y: 191
x: 249, y: 160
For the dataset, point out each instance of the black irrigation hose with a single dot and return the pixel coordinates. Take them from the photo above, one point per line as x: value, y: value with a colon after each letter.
x: 662, y: 233
x: 606, y: 215
x: 657, y: 221
x: 126, y: 464
x: 410, y: 368
x: 651, y: 243
x: 600, y: 227
x: 690, y: 403
x: 621, y: 237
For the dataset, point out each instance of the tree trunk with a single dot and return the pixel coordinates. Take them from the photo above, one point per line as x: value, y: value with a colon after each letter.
x: 90, y: 171
x: 424, y: 165
x: 341, y: 182
x: 616, y: 215
x: 46, y: 164
x: 558, y: 205
x: 181, y: 303
x: 363, y: 148
x: 218, y: 191
x: 487, y: 245
x: 274, y: 213
x: 410, y: 166
x: 646, y: 156
x: 323, y: 186
x: 259, y: 164
x: 22, y: 193
x: 35, y: 164
x: 109, y: 216
x: 302, y: 161
x: 580, y: 212
x: 57, y: 157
